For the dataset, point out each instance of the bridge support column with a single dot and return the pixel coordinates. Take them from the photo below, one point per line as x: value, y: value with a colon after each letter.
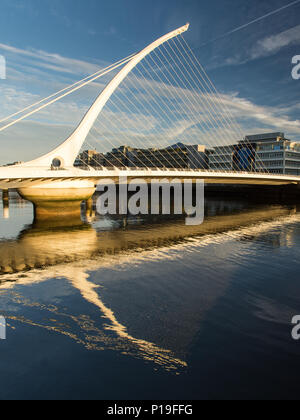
x: 5, y: 196
x: 58, y: 199
x: 5, y: 201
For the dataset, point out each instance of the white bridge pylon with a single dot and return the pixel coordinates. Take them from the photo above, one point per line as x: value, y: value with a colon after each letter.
x: 65, y: 155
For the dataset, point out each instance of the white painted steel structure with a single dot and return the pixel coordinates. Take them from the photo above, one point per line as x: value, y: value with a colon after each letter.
x: 12, y: 177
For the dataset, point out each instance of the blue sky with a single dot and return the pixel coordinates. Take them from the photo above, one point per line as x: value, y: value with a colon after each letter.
x: 51, y: 43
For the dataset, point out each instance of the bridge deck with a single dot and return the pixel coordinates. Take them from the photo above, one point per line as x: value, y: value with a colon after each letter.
x: 17, y: 177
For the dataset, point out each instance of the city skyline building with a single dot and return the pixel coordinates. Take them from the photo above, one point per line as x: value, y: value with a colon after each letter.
x: 271, y: 152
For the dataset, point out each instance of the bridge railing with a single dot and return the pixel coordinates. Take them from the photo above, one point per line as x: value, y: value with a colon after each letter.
x: 194, y: 170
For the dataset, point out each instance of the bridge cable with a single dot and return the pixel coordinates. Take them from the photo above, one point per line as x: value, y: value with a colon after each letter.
x: 192, y: 107
x: 166, y: 105
x: 231, y: 120
x: 158, y: 107
x: 214, y: 91
x: 126, y: 128
x: 104, y: 72
x: 145, y: 83
x: 232, y: 123
x: 184, y: 111
x: 143, y: 145
x: 139, y: 109
x: 203, y: 98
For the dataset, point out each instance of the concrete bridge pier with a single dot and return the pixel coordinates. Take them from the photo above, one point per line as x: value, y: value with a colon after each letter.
x: 5, y: 201
x: 5, y: 196
x: 58, y: 199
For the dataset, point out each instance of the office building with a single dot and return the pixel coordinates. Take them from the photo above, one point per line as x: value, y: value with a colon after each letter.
x: 275, y: 153
x: 220, y: 158
x: 90, y: 158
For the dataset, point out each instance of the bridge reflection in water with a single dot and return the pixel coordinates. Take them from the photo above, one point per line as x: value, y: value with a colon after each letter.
x: 77, y: 249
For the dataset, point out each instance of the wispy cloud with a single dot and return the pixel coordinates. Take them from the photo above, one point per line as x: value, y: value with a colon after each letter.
x: 273, y: 44
x: 266, y: 47
x: 276, y: 118
x: 45, y: 59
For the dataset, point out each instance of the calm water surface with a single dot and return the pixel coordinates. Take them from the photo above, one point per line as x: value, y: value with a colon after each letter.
x: 149, y: 308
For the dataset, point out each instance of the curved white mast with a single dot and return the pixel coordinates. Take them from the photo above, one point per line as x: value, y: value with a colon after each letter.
x: 67, y: 152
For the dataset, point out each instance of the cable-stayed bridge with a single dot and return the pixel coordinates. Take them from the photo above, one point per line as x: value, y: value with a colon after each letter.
x: 160, y: 95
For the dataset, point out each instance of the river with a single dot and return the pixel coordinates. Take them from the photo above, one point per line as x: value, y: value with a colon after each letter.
x: 148, y: 308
